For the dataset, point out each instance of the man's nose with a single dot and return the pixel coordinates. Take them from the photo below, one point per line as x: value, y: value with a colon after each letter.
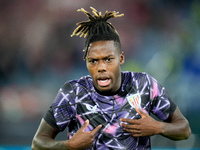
x: 101, y: 66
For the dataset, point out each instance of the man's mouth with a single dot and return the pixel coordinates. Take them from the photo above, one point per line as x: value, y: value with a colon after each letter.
x: 103, y: 82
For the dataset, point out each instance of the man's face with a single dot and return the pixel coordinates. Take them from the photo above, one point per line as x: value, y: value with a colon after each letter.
x: 103, y: 62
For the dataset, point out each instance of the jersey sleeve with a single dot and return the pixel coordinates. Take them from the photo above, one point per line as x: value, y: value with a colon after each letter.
x: 49, y: 118
x: 62, y: 110
x: 161, y: 104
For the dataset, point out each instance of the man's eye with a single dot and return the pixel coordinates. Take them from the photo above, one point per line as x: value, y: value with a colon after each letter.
x: 109, y: 59
x: 93, y: 61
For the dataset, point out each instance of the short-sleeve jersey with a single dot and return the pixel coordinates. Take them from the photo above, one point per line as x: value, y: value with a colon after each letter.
x: 78, y: 101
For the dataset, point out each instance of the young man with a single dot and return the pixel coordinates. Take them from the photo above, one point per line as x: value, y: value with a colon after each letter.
x: 108, y: 109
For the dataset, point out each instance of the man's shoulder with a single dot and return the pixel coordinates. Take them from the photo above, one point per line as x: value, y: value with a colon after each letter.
x: 134, y: 75
x: 83, y: 82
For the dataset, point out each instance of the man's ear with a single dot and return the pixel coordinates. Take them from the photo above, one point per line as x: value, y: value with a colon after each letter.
x: 122, y: 58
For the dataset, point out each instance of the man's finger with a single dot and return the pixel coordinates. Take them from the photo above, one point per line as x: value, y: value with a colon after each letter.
x: 135, y: 134
x: 139, y: 111
x: 96, y: 130
x: 133, y: 131
x: 129, y: 126
x: 131, y: 121
x: 84, y: 126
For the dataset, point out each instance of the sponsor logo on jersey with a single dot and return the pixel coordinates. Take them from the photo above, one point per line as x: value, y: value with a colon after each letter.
x: 91, y: 108
x: 134, y: 99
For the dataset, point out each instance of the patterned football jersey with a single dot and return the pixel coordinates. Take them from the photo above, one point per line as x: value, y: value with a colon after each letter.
x: 78, y: 101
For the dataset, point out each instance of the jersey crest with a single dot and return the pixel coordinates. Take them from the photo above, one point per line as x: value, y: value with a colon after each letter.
x: 134, y: 99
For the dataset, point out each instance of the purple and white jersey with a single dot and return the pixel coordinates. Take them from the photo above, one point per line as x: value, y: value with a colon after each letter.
x: 78, y: 101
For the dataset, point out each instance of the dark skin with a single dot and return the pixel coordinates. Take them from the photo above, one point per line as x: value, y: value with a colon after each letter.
x: 45, y: 135
x: 103, y: 62
x: 177, y: 128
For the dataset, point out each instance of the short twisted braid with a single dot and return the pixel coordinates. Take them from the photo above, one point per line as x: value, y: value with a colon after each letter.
x: 97, y: 27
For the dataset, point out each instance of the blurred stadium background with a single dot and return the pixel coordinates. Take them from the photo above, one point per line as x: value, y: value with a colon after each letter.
x: 37, y: 55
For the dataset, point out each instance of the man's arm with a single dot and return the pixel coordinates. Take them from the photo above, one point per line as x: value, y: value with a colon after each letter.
x: 44, y: 138
x: 177, y: 127
x: 45, y: 135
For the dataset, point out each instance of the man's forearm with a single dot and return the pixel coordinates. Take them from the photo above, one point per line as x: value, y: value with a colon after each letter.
x: 177, y: 130
x: 41, y: 143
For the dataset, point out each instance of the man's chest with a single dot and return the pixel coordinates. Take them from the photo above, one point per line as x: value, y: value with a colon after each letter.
x: 111, y: 108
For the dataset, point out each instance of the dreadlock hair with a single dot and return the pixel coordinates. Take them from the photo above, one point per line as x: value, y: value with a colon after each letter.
x: 97, y: 28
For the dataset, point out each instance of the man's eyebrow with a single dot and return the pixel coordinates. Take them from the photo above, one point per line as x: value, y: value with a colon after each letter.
x: 92, y: 58
x: 111, y: 55
x: 108, y: 56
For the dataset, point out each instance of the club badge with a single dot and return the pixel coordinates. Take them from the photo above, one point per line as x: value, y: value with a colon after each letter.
x: 134, y: 99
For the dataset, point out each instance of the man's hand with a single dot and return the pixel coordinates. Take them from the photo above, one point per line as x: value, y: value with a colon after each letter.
x: 82, y: 139
x: 146, y: 126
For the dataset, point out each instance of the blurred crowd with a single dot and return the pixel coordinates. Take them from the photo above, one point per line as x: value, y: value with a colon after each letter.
x: 37, y: 55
